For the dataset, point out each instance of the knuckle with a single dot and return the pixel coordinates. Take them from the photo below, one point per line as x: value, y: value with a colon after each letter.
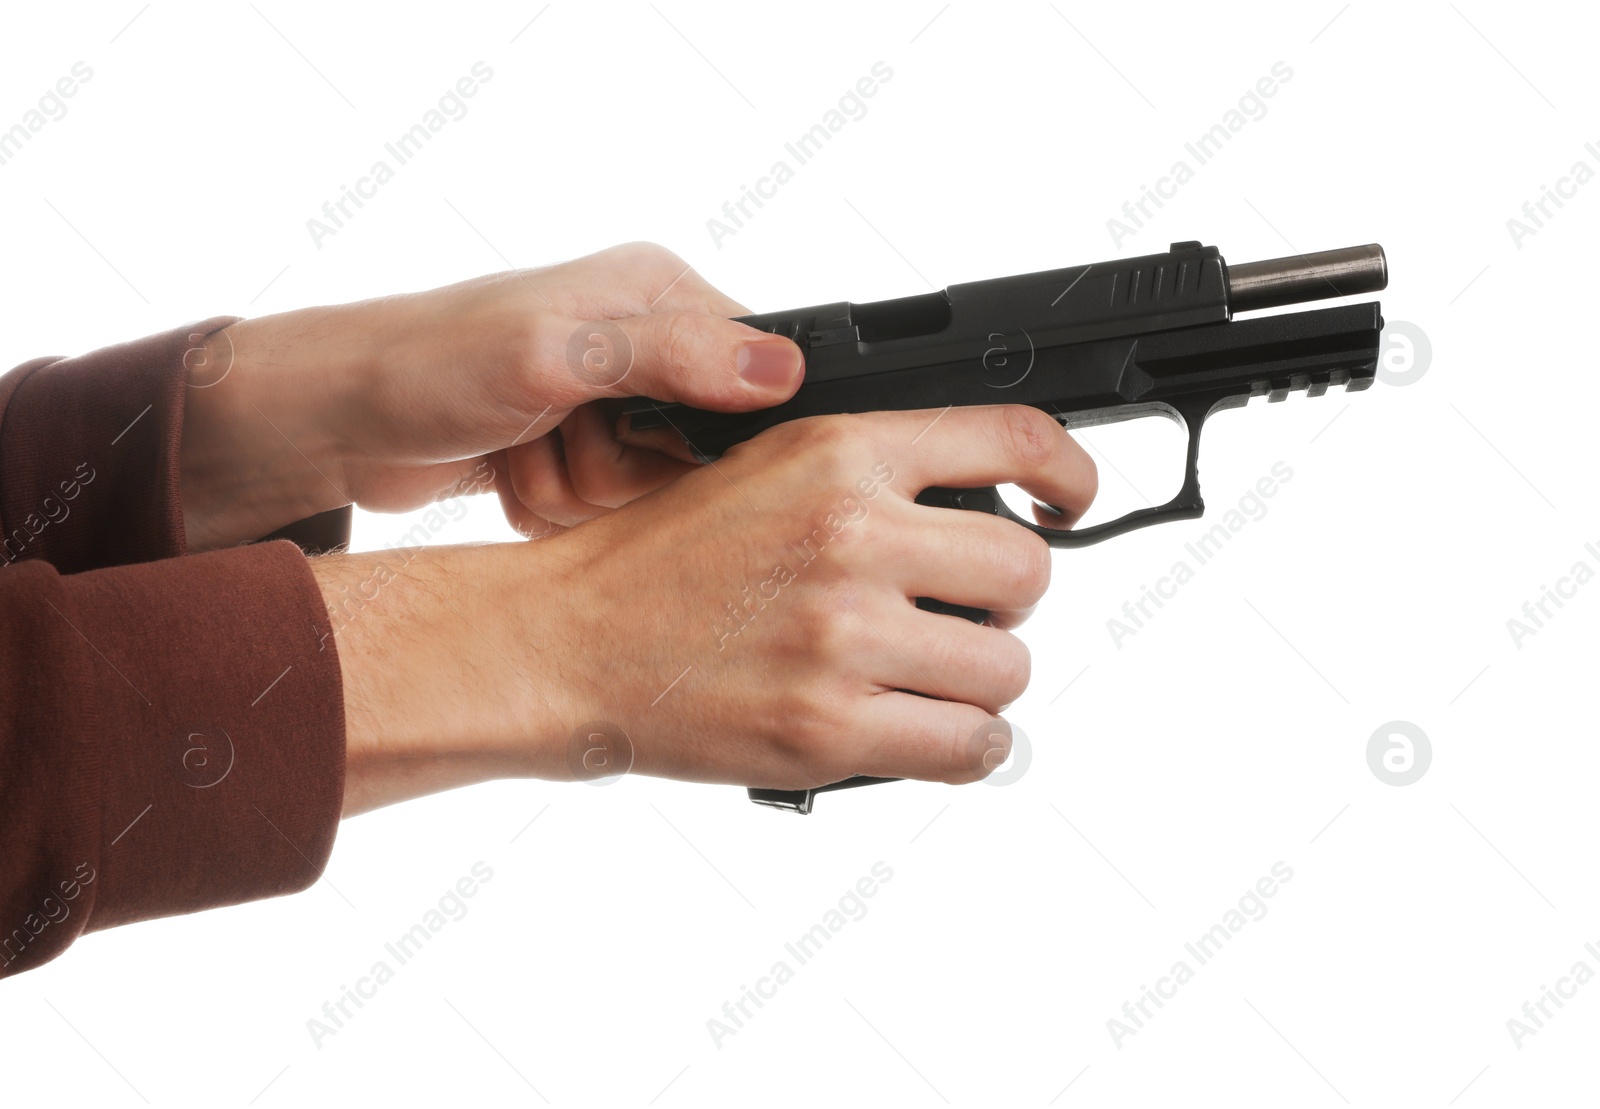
x: 1029, y: 565
x: 651, y: 261
x: 872, y: 540
x: 679, y: 339
x: 837, y: 446
x: 1030, y: 436
x: 832, y: 634
x: 534, y: 487
x: 824, y: 435
x: 1016, y: 562
x: 596, y: 485
x: 642, y: 253
x: 541, y: 493
x: 807, y: 730
x: 821, y: 454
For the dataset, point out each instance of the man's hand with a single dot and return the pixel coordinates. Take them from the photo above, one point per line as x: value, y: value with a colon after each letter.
x: 397, y: 402
x: 754, y: 622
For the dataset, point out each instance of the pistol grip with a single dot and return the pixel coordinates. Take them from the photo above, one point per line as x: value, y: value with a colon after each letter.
x: 800, y: 800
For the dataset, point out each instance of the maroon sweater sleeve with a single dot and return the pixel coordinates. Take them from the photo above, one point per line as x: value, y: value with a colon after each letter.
x: 171, y: 728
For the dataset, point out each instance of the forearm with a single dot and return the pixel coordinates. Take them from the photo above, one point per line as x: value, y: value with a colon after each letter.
x: 436, y: 694
x: 173, y: 740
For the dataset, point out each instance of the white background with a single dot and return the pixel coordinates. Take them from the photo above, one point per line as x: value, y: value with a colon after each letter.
x: 1229, y: 734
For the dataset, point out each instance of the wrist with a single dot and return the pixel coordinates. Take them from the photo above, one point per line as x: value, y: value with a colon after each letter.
x: 441, y: 688
x: 262, y: 432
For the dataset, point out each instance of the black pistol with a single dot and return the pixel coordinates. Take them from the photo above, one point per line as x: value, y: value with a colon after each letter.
x: 1091, y: 345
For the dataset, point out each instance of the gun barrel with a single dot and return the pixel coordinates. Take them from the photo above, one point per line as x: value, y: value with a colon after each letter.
x: 1328, y: 273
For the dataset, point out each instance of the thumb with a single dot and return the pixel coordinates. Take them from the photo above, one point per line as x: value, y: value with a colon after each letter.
x: 692, y: 358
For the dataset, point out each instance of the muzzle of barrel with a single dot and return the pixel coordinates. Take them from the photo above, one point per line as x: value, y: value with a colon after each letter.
x: 1349, y: 271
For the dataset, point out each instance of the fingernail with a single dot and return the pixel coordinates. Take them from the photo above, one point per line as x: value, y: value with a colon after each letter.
x: 769, y: 364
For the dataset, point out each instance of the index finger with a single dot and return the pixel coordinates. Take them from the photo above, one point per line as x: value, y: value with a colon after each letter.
x: 973, y: 447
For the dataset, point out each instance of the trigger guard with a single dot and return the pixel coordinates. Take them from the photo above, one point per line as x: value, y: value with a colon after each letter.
x: 1187, y: 504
